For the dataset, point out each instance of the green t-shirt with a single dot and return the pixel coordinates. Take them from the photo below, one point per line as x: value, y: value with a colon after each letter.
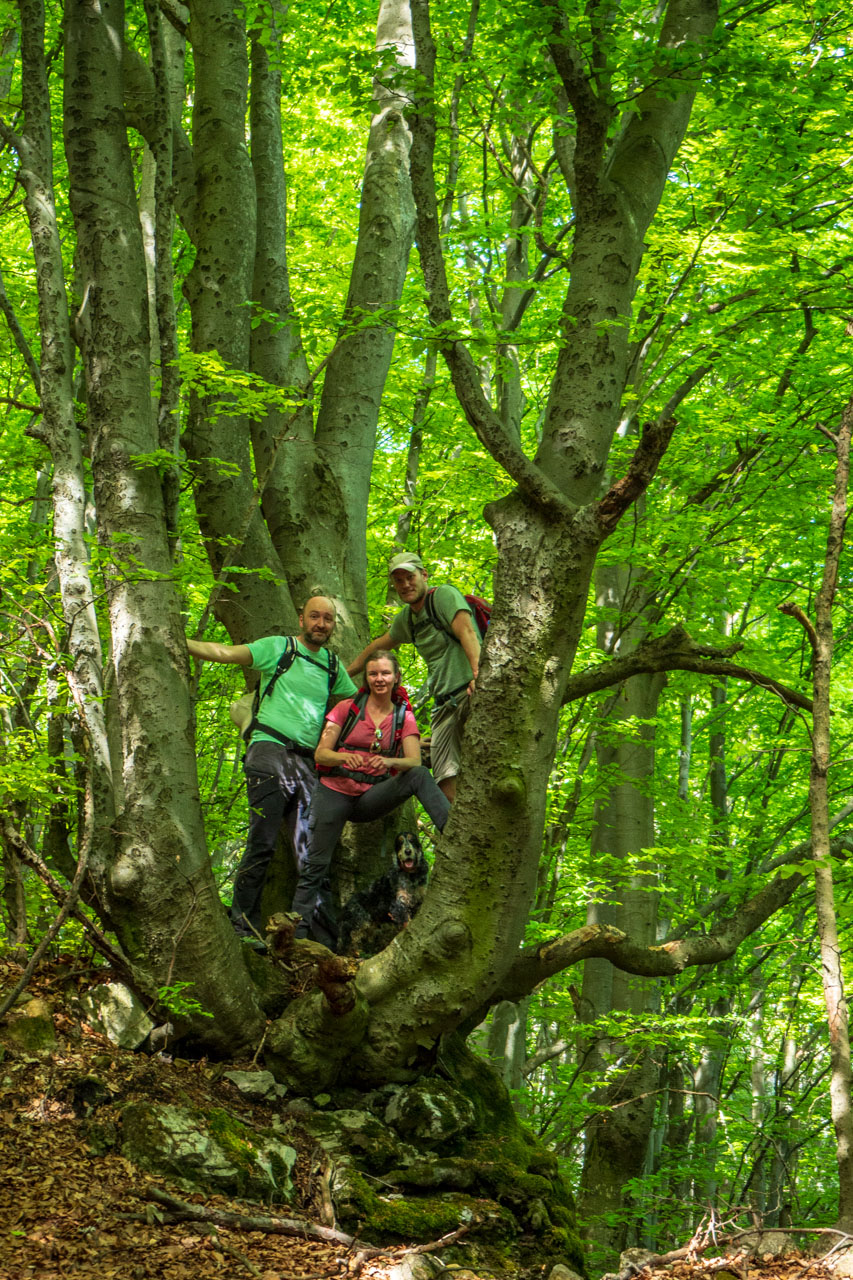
x: 447, y: 666
x: 297, y: 705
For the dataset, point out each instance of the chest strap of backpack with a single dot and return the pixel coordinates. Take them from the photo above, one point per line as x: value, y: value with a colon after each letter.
x: 358, y: 711
x: 289, y: 654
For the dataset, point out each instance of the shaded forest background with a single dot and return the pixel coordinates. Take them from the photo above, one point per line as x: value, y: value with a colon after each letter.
x: 675, y: 795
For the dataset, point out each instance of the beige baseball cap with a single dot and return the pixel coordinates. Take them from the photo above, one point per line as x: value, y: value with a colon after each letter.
x: 405, y: 560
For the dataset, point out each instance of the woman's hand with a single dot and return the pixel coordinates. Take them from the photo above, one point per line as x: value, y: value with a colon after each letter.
x: 349, y: 759
x: 363, y: 762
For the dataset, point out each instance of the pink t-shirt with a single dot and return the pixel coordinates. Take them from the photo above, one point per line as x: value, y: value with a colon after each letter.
x: 361, y: 738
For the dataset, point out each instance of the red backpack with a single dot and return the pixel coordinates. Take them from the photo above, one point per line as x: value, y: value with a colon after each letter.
x: 480, y: 608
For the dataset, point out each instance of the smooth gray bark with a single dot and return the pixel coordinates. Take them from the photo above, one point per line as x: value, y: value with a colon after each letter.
x: 59, y: 429
x: 316, y: 485
x: 156, y: 883
x: 219, y: 290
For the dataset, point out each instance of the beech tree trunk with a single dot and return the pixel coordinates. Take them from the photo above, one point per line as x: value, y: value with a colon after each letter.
x: 313, y: 477
x: 55, y: 383
x: 820, y: 636
x: 155, y: 878
x: 219, y: 288
x: 617, y: 1140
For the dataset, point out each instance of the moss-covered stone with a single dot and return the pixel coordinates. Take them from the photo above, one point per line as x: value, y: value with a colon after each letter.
x: 481, y: 1085
x: 543, y: 1162
x: 430, y: 1113
x: 359, y: 1134
x: 30, y: 1032
x: 208, y: 1151
x: 393, y: 1218
x: 453, y: 1146
x: 510, y: 1164
x: 450, y: 1172
x: 429, y: 1217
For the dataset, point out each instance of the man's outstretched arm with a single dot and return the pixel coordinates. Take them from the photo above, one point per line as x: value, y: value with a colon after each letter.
x: 469, y: 637
x: 381, y: 642
x: 210, y: 651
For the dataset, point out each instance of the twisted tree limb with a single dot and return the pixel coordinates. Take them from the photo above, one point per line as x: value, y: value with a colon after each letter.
x: 676, y: 651
x: 535, y: 964
x: 63, y: 913
x: 654, y: 442
x: 27, y: 855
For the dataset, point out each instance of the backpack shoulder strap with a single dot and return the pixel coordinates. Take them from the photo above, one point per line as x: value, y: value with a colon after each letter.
x: 284, y: 663
x: 356, y: 709
x: 481, y: 612
x: 397, y: 722
x: 288, y: 654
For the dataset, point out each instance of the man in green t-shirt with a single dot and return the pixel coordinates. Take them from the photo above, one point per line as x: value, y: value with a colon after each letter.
x: 450, y: 647
x: 279, y: 763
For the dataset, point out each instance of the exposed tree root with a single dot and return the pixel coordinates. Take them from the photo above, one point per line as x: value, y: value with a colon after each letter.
x: 258, y: 1222
x: 182, y: 1210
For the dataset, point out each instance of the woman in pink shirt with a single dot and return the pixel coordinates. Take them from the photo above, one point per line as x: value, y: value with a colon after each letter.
x: 363, y: 778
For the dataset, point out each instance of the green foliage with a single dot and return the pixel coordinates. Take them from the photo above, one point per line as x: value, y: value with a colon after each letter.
x: 175, y: 998
x: 739, y: 329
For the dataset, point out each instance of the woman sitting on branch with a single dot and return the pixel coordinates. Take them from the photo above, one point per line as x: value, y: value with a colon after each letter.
x: 369, y: 759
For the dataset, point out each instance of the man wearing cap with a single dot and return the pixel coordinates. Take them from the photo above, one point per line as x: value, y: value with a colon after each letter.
x: 279, y: 763
x: 450, y: 647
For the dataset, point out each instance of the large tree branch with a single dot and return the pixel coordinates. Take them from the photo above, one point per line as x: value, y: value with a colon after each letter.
x: 677, y: 652
x: 642, y: 153
x: 840, y: 849
x: 140, y: 97
x: 654, y: 442
x: 485, y: 422
x: 536, y: 964
x: 592, y: 110
x: 177, y: 15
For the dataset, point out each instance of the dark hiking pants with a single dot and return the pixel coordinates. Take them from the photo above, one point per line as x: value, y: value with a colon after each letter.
x: 330, y: 810
x: 279, y: 784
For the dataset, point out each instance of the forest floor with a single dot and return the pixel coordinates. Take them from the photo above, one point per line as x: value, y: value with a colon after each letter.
x: 67, y: 1213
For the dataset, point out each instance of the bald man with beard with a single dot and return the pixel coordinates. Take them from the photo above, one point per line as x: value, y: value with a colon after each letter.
x: 279, y: 762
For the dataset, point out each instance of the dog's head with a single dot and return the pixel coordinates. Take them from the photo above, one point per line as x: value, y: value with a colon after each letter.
x: 409, y: 854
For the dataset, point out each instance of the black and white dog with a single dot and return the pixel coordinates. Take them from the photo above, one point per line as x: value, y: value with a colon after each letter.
x: 375, y: 915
